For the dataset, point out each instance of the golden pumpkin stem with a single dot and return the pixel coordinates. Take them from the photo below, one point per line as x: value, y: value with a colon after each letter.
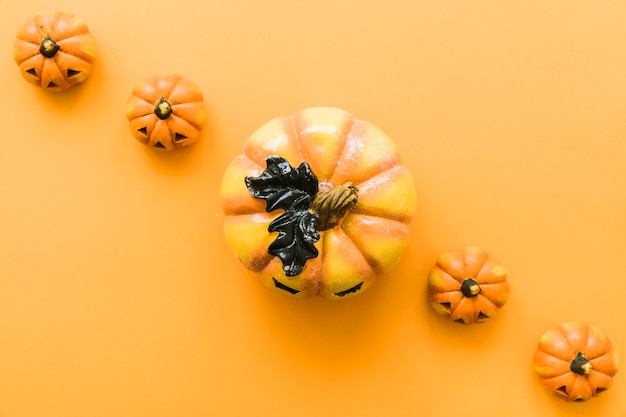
x: 48, y: 47
x: 330, y: 205
x: 163, y: 109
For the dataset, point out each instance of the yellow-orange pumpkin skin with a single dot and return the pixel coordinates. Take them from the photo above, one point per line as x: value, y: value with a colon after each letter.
x: 166, y: 112
x: 468, y: 285
x: 370, y: 236
x: 575, y: 361
x: 54, y: 50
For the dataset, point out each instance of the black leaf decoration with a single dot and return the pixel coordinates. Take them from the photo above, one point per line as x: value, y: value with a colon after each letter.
x: 282, y: 186
x: 296, y: 238
x: 291, y: 189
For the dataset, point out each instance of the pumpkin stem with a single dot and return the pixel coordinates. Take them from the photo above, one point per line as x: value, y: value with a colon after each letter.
x: 331, y: 204
x: 580, y: 365
x: 48, y: 47
x: 163, y: 109
x: 470, y: 288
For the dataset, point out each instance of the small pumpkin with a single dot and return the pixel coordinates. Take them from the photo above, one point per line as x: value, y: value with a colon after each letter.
x: 575, y: 361
x: 318, y: 204
x: 54, y: 50
x: 166, y: 111
x: 468, y: 285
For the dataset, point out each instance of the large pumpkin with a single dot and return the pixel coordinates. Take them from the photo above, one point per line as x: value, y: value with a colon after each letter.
x: 575, y: 361
x: 54, y: 50
x: 468, y: 285
x: 318, y: 203
x: 166, y: 111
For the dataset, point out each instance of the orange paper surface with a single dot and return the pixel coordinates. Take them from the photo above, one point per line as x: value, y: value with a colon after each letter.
x: 120, y: 297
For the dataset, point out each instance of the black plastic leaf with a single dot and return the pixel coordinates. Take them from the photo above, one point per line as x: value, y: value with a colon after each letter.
x: 296, y: 239
x: 291, y: 189
x: 282, y: 186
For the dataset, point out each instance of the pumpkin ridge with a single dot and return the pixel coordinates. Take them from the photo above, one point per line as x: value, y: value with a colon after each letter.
x: 173, y: 132
x: 42, y: 23
x: 148, y: 103
x: 478, y: 268
x: 370, y: 261
x: 175, y: 86
x: 358, y: 208
x: 487, y: 271
x: 566, y: 362
x: 344, y: 137
x: 592, y: 358
x: 70, y: 57
x: 37, y: 57
x: 451, y: 276
x: 55, y: 20
x: 287, y: 126
x: 454, y: 308
x: 383, y: 170
x: 166, y: 92
x: 197, y: 126
x: 579, y: 344
x: 51, y: 68
x: 562, y: 356
x: 73, y: 56
x: 596, y: 359
x: 482, y: 297
x: 343, y: 148
x: 35, y: 51
x: 323, y: 250
x: 581, y: 392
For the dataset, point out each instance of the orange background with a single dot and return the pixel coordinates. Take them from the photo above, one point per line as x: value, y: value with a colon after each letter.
x: 119, y: 295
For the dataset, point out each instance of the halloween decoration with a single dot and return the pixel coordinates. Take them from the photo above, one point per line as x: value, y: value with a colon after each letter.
x: 318, y: 204
x: 575, y: 361
x: 166, y: 112
x: 467, y: 285
x: 54, y: 50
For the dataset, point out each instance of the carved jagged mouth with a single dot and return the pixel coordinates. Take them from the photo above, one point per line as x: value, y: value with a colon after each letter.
x: 350, y: 290
x: 284, y: 287
x: 291, y: 290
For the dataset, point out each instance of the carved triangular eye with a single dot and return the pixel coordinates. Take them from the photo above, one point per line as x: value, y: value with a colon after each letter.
x: 178, y: 137
x: 562, y: 390
x: 72, y: 73
x: 143, y: 131
x: 446, y: 306
x: 482, y: 316
x: 32, y: 72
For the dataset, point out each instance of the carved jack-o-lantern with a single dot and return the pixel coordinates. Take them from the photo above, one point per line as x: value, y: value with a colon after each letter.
x: 318, y: 204
x: 54, y: 50
x: 575, y: 361
x: 467, y: 285
x: 166, y: 112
